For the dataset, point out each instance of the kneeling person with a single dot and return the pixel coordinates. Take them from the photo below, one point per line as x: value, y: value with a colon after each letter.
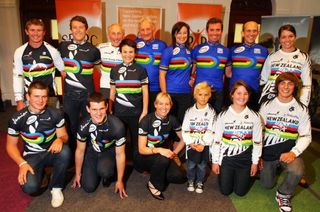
x: 107, y: 136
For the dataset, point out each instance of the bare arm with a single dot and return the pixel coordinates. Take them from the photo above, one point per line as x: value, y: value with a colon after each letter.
x: 180, y: 145
x: 144, y: 150
x: 79, y: 156
x: 112, y: 97
x: 62, y: 137
x: 162, y: 80
x: 121, y: 164
x: 145, y: 101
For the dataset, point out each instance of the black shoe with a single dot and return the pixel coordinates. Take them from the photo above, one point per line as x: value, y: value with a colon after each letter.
x: 157, y: 195
x: 303, y: 184
x: 106, y: 182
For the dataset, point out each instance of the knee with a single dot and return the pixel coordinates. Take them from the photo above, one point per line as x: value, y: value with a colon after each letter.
x: 105, y: 173
x: 89, y: 188
x: 162, y: 161
x: 296, y: 167
x: 31, y: 187
x: 225, y: 192
x: 65, y: 154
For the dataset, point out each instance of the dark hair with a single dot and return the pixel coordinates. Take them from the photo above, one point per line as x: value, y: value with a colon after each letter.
x: 37, y: 85
x: 97, y: 98
x: 214, y: 20
x: 35, y: 21
x: 236, y: 85
x: 80, y: 19
x: 291, y: 77
x: 287, y: 27
x: 128, y: 42
x: 175, y: 29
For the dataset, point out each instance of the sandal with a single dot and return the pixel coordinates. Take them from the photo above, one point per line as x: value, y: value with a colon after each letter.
x: 155, y: 192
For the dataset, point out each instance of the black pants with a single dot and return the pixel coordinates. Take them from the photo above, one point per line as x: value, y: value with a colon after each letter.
x: 97, y: 165
x: 181, y: 102
x: 152, y: 99
x: 162, y: 170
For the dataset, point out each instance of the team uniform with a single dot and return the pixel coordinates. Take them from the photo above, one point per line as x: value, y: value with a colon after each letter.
x: 287, y: 128
x: 161, y: 168
x: 211, y: 60
x: 99, y: 158
x: 38, y: 132
x: 35, y: 64
x: 79, y: 61
x: 247, y: 62
x: 197, y: 128
x: 237, y: 145
x: 176, y: 62
x: 296, y: 62
x: 110, y: 58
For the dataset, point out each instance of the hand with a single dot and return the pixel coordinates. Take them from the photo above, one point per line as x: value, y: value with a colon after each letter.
x: 63, y: 74
x: 56, y: 146
x: 260, y: 164
x: 191, y: 82
x: 76, y: 181
x: 200, y: 147
x: 23, y: 171
x: 20, y: 105
x: 193, y: 146
x: 215, y: 168
x: 166, y: 152
x: 254, y: 169
x: 287, y: 157
x: 119, y: 187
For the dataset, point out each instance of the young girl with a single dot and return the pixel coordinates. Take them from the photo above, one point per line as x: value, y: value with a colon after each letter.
x: 197, y: 134
x: 237, y: 143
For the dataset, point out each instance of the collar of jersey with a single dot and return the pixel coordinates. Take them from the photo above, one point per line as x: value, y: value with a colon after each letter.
x: 212, y: 43
x: 34, y: 113
x: 104, y: 121
x: 158, y: 117
x: 249, y: 46
x: 82, y: 42
x: 127, y: 65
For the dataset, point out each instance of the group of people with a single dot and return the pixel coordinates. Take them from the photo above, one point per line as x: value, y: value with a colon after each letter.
x: 146, y: 87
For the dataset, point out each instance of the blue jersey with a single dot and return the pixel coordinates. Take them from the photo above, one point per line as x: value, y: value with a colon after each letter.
x: 149, y: 55
x: 247, y: 62
x: 177, y: 63
x: 211, y: 60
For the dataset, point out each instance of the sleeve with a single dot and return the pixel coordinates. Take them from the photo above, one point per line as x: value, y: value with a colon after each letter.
x: 165, y: 59
x: 57, y: 60
x: 186, y: 129
x: 97, y: 56
x: 112, y: 75
x: 257, y: 140
x: 304, y: 130
x: 228, y: 55
x: 143, y: 126
x: 82, y: 133
x: 119, y: 131
x: 175, y: 124
x: 263, y: 113
x: 144, y: 76
x: 306, y: 79
x: 18, y: 82
x: 266, y: 71
x: 13, y: 125
x: 193, y: 53
x: 216, y: 146
x: 209, y: 134
x: 59, y: 118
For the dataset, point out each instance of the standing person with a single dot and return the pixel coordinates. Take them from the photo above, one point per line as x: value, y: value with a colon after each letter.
x: 287, y: 135
x: 110, y: 57
x: 106, y: 135
x: 79, y: 58
x: 35, y: 60
x: 287, y: 59
x: 175, y: 69
x: 129, y: 91
x: 237, y: 143
x: 197, y: 133
x: 155, y: 153
x: 44, y: 136
x: 247, y: 61
x: 210, y: 60
x: 149, y: 53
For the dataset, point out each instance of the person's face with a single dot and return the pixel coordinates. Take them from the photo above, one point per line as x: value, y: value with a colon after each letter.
x: 240, y: 97
x: 202, y: 98
x: 38, y: 99
x: 163, y: 107
x: 287, y: 40
x: 286, y: 89
x: 97, y: 111
x: 146, y: 31
x: 182, y: 35
x: 115, y: 35
x: 214, y: 32
x: 35, y: 33
x: 128, y: 54
x: 78, y: 30
x: 250, y: 32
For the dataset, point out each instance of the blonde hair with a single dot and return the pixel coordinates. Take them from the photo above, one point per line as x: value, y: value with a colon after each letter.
x: 113, y: 25
x: 147, y: 19
x: 202, y: 86
x: 163, y: 95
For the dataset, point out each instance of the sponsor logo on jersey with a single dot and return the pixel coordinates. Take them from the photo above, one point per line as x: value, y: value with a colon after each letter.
x: 31, y: 120
x: 220, y: 50
x: 155, y: 46
x: 11, y: 131
x: 45, y: 119
x: 72, y: 47
x: 140, y: 44
x: 257, y: 51
x: 122, y: 70
x: 239, y: 49
x: 121, y: 141
x: 176, y: 51
x: 92, y: 128
x: 156, y: 123
x: 141, y: 131
x: 19, y: 117
x: 203, y: 49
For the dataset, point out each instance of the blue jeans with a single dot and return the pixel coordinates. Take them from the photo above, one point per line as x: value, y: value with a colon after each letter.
x: 196, y: 171
x: 39, y: 161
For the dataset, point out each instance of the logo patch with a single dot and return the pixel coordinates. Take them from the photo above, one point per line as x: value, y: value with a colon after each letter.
x: 92, y: 128
x: 155, y: 46
x: 239, y: 49
x: 122, y: 70
x: 141, y: 131
x: 257, y: 51
x: 31, y: 120
x: 220, y: 50
x: 203, y: 49
x: 140, y: 44
x: 176, y: 50
x: 72, y: 47
x: 156, y: 123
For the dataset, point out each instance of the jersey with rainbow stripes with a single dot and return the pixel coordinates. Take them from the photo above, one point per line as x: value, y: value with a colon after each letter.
x: 211, y: 60
x: 158, y: 130
x: 177, y: 63
x: 37, y: 131
x: 285, y: 123
x: 128, y: 80
x: 149, y: 55
x: 235, y: 133
x: 247, y: 62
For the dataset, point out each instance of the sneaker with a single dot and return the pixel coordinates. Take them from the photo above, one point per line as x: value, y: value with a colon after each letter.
x: 284, y: 202
x: 57, y: 197
x: 199, y: 188
x: 190, y: 186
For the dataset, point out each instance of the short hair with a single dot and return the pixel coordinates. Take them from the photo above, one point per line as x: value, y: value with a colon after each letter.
x: 175, y: 29
x: 291, y: 77
x: 37, y: 85
x: 97, y: 98
x: 287, y: 27
x: 214, y: 20
x: 244, y: 25
x: 163, y: 95
x: 128, y: 42
x: 147, y: 19
x: 35, y: 21
x: 202, y: 86
x: 115, y: 24
x: 80, y: 19
x: 236, y: 85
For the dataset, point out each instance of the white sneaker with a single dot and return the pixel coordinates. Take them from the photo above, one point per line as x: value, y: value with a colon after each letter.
x: 199, y: 188
x: 190, y: 186
x: 57, y: 197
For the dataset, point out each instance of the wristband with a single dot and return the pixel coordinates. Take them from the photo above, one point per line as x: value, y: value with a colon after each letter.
x: 22, y: 163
